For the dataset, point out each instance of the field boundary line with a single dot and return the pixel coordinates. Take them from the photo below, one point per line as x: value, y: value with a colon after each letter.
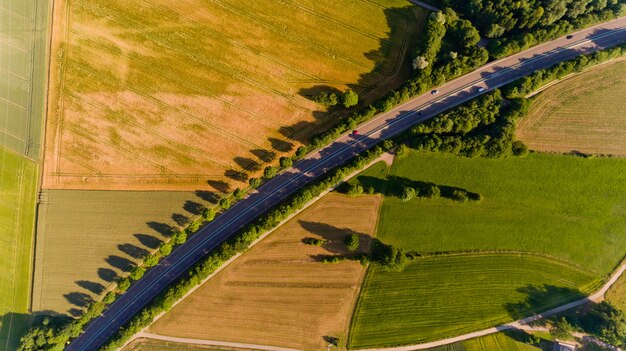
x: 259, y: 239
x: 598, y: 296
x: 212, y: 342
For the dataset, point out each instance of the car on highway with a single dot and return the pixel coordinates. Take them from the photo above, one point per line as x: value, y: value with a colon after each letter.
x: 355, y: 132
x: 569, y: 37
x: 481, y: 89
x: 434, y: 92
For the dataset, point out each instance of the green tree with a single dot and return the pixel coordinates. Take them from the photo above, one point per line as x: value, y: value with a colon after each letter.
x: 239, y: 193
x: 408, y: 193
x: 402, y: 151
x: 355, y: 190
x: 225, y: 203
x: 165, y: 249
x: 464, y: 33
x: 432, y: 192
x: 270, y: 172
x: 519, y: 148
x: 285, y: 162
x: 349, y: 99
x: 137, y: 273
x: 151, y: 260
x: 123, y: 284
x: 352, y: 241
x: 254, y: 182
x: 420, y: 63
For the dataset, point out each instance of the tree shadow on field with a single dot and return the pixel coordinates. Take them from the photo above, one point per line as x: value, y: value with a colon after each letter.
x: 121, y: 263
x: 148, y: 241
x: 162, y: 228
x: 394, y: 185
x: 94, y: 287
x: 195, y: 208
x: 539, y: 298
x: 106, y: 274
x: 81, y: 300
x: 180, y: 220
x: 133, y: 250
x: 208, y: 196
x: 334, y: 240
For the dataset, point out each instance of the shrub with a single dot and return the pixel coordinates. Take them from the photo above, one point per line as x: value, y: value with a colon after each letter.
x: 270, y: 172
x: 165, y: 249
x: 352, y: 241
x: 408, y: 193
x: 208, y: 214
x: 137, y: 273
x: 314, y: 241
x: 402, y: 151
x: 239, y: 193
x: 432, y: 192
x: 181, y: 236
x: 109, y: 298
x: 123, y: 285
x: 459, y: 195
x: 254, y: 182
x: 349, y: 99
x: 390, y: 258
x: 286, y: 162
x: 355, y: 190
x: 326, y: 98
x: 151, y: 260
x: 225, y: 203
x: 519, y: 148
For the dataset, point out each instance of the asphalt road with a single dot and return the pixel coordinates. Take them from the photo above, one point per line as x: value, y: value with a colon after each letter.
x: 381, y: 127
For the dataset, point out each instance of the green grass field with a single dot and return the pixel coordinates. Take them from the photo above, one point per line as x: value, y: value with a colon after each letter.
x: 565, y: 206
x: 24, y: 33
x: 233, y: 74
x: 18, y: 191
x: 439, y: 297
x: 506, y: 341
x: 585, y: 113
x: 23, y: 74
x: 87, y: 238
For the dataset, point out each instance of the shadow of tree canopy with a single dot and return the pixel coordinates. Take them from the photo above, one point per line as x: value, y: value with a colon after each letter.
x: 106, y: 274
x: 121, y: 263
x: 94, y: 287
x: 148, y: 241
x: 334, y: 240
x: 541, y: 298
x: 193, y: 207
x: 393, y: 186
x: 133, y: 250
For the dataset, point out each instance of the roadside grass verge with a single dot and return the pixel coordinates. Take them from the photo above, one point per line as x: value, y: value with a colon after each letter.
x: 18, y: 192
x: 437, y: 297
x: 563, y: 206
x: 585, y: 113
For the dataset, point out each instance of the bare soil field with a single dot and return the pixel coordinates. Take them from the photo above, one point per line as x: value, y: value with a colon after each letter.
x: 85, y: 239
x: 279, y: 293
x: 585, y: 113
x: 175, y: 95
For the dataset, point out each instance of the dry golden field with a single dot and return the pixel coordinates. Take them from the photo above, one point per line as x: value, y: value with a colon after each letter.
x: 144, y: 344
x: 585, y: 113
x: 278, y: 293
x: 182, y: 95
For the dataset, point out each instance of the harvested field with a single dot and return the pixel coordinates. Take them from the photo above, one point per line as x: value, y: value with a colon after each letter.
x: 160, y: 345
x: 79, y: 255
x: 174, y: 95
x: 18, y: 191
x: 585, y: 113
x: 565, y: 206
x: 278, y: 293
x: 438, y: 297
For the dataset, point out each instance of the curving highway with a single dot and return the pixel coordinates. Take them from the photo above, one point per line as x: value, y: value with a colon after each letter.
x: 383, y: 126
